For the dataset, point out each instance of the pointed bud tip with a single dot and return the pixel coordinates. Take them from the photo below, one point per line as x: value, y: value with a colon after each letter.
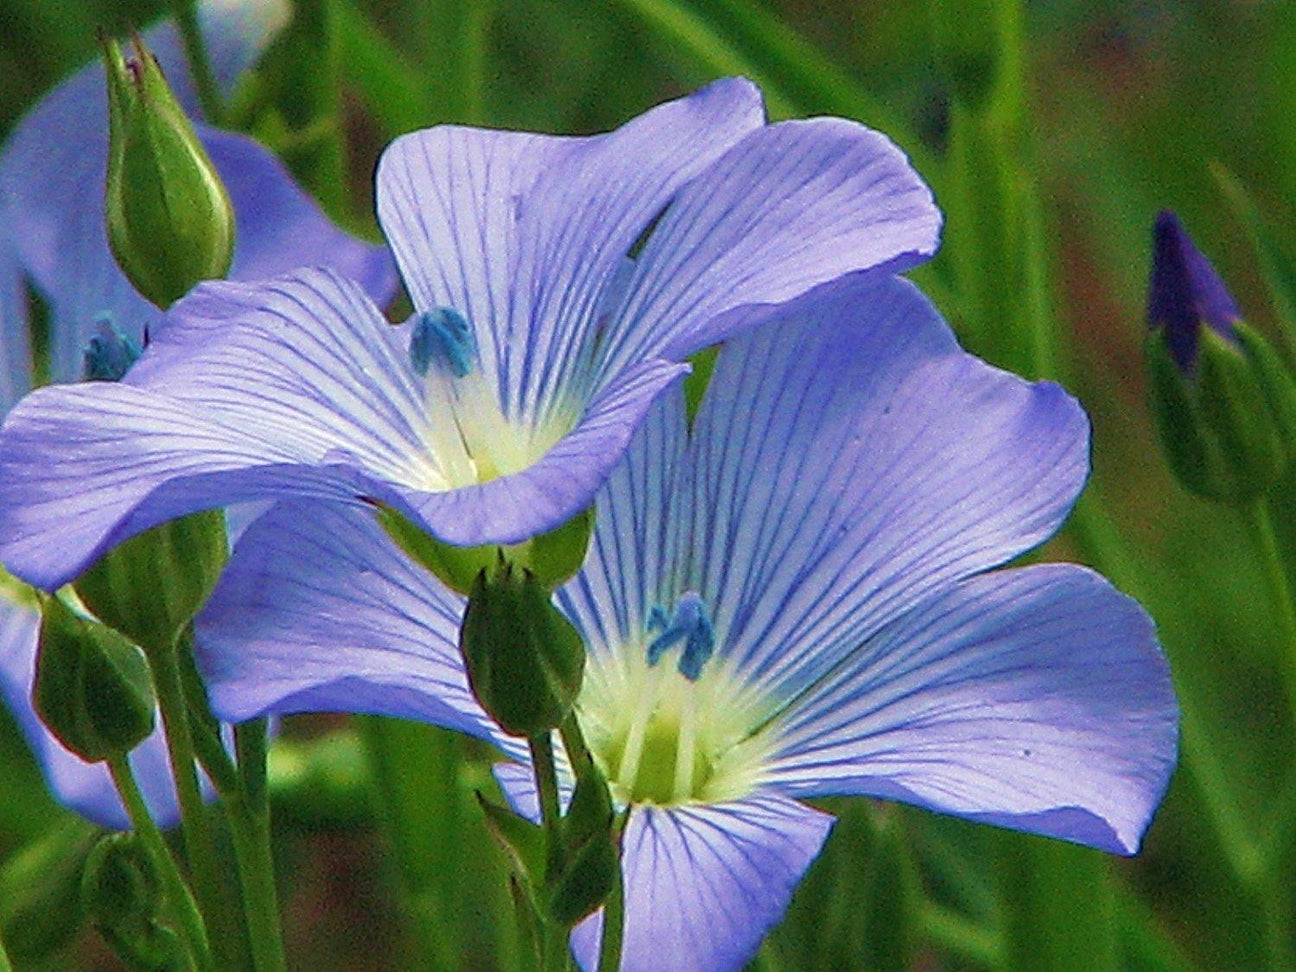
x: 1184, y: 292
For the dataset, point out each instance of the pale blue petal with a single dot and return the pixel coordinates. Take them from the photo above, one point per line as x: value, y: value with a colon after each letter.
x: 791, y: 206
x: 1036, y: 699
x: 705, y: 884
x: 523, y: 234
x: 319, y: 611
x: 848, y: 461
x: 84, y: 787
x: 632, y: 553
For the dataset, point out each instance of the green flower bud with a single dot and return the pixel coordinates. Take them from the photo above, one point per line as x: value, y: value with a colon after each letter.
x: 525, y: 661
x: 552, y: 557
x: 170, y: 222
x: 93, y: 689
x: 120, y: 883
x: 121, y: 893
x: 151, y: 586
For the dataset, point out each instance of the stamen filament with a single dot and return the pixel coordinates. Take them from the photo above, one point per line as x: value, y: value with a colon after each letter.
x: 686, y: 748
x: 645, y: 705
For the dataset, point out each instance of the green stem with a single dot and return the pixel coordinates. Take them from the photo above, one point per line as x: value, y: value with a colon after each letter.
x: 200, y: 848
x: 249, y: 818
x: 190, y: 920
x: 1281, y: 592
x: 546, y: 773
x: 200, y: 69
x: 614, y: 915
x: 5, y: 964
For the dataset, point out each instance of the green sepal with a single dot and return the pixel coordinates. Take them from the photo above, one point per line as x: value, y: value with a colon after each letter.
x: 1219, y: 427
x: 590, y: 811
x: 1235, y: 405
x: 1277, y: 383
x: 552, y: 557
x: 120, y: 883
x: 93, y: 690
x: 122, y: 895
x: 152, y: 585
x: 40, y: 891
x: 525, y: 661
x: 522, y: 840
x: 585, y: 881
x: 169, y: 219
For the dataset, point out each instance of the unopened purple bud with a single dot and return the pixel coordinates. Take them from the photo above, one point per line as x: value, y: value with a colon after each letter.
x: 1185, y: 291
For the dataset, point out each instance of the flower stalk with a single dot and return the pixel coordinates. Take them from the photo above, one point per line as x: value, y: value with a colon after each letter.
x: 189, y: 918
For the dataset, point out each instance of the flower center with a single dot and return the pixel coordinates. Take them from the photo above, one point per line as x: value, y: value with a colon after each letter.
x: 470, y: 438
x: 671, y: 734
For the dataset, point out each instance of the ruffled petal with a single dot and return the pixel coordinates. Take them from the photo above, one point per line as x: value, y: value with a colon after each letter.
x: 848, y: 461
x: 1036, y: 699
x: 84, y: 787
x: 296, y: 387
x: 705, y: 884
x: 791, y: 206
x: 319, y: 611
x: 524, y: 233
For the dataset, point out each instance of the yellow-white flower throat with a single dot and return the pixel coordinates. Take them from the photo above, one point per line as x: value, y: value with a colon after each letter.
x: 469, y: 438
x: 672, y: 734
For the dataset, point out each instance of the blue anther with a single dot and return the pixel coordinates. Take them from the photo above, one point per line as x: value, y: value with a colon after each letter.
x: 445, y: 338
x: 690, y: 624
x: 110, y: 353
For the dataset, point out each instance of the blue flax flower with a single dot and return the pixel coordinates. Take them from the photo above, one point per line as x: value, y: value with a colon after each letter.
x: 557, y: 284
x: 52, y: 238
x: 792, y: 599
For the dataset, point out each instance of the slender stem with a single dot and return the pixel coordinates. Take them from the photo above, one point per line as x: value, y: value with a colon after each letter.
x: 614, y: 912
x: 250, y: 830
x: 190, y: 920
x: 200, y: 69
x: 200, y: 848
x: 5, y: 964
x: 1281, y: 592
x: 546, y: 773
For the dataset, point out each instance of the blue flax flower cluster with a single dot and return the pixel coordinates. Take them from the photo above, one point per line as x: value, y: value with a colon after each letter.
x: 791, y: 595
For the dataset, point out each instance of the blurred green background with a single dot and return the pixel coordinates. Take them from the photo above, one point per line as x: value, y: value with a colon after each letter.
x: 1052, y: 133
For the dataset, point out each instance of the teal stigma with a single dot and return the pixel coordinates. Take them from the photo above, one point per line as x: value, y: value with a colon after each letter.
x: 691, y: 624
x: 444, y: 338
x: 110, y: 353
